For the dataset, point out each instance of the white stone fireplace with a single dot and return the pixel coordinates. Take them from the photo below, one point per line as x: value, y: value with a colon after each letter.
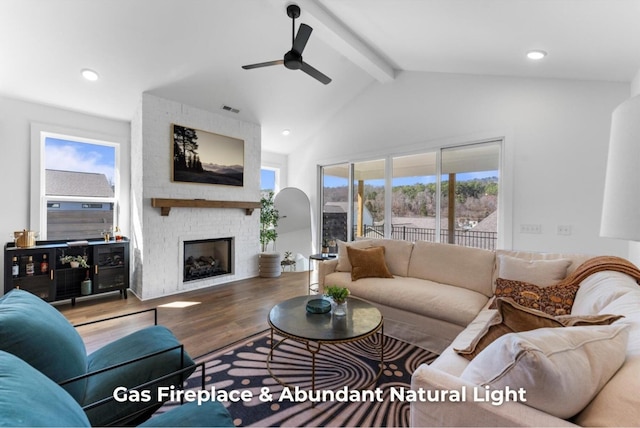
x: 158, y: 240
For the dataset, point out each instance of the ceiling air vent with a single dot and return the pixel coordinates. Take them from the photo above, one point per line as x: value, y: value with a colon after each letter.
x: 231, y: 109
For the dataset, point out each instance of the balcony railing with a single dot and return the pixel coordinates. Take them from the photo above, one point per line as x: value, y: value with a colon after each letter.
x: 465, y: 237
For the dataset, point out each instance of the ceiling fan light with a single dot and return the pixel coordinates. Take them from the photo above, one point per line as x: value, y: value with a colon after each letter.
x: 90, y: 75
x: 286, y: 132
x: 536, y: 55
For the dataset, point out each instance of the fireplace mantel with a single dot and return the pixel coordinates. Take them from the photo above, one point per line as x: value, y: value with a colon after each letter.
x: 165, y: 205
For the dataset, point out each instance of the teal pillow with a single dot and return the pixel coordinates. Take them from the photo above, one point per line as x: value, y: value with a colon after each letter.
x: 29, y: 398
x: 36, y: 332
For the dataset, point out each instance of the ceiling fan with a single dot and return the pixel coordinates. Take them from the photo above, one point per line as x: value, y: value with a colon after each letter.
x: 293, y: 59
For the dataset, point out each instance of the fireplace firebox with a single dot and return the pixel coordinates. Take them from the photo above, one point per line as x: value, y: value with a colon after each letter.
x: 204, y: 258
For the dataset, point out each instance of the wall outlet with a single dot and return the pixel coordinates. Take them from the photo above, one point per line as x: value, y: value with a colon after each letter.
x: 530, y: 228
x: 564, y: 229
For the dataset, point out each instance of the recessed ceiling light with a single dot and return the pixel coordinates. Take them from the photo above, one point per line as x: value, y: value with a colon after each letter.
x: 536, y: 55
x: 286, y: 132
x: 90, y: 75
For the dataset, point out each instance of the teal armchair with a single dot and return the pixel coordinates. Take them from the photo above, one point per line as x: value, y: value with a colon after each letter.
x: 28, y: 398
x: 41, y: 336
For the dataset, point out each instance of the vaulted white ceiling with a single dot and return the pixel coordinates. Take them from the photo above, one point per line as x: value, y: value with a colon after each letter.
x: 191, y: 51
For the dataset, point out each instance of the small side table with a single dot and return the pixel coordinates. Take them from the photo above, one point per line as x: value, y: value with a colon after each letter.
x: 314, y: 286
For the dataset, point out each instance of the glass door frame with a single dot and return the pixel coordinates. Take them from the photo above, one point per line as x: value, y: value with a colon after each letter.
x: 505, y: 183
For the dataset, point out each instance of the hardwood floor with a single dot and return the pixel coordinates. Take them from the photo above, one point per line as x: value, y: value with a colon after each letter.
x: 224, y: 314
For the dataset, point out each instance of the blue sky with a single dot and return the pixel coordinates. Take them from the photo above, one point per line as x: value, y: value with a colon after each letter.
x: 267, y: 179
x: 80, y: 157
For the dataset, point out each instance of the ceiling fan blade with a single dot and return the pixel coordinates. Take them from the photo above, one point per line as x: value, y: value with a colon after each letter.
x: 304, y: 31
x: 315, y: 73
x: 263, y: 64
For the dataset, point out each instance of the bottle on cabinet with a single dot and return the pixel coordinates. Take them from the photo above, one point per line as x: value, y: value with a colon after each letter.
x: 15, y: 267
x: 30, y: 267
x: 44, y: 264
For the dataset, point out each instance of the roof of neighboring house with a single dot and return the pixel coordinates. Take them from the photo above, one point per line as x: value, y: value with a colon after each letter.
x: 336, y: 207
x: 488, y: 224
x: 70, y: 183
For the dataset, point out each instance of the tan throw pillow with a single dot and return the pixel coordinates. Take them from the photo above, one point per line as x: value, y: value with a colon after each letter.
x: 368, y: 262
x: 514, y: 318
x: 540, y: 272
x: 559, y: 370
x: 554, y: 299
x: 344, y: 265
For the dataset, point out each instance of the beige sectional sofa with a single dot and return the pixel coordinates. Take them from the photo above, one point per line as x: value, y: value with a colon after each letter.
x: 438, y: 299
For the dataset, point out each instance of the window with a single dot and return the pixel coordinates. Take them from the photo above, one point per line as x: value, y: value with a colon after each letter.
x: 269, y: 180
x: 79, y: 187
x: 368, y: 199
x: 416, y: 197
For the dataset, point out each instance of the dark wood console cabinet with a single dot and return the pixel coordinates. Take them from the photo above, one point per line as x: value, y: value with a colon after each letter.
x: 108, y: 269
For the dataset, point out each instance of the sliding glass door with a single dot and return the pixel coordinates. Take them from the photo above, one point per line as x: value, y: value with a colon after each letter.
x: 368, y: 199
x: 414, y: 197
x: 469, y: 202
x: 335, y: 204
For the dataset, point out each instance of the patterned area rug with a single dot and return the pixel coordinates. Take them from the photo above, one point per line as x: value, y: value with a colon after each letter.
x: 343, y: 372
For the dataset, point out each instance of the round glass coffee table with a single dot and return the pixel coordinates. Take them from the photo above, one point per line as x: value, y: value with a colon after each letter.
x: 291, y: 320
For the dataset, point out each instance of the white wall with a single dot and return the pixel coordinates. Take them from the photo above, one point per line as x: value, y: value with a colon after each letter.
x: 557, y: 131
x: 634, y: 247
x: 158, y: 240
x: 635, y: 85
x: 16, y: 118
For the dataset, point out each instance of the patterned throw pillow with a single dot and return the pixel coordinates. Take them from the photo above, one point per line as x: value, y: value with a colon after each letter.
x: 368, y: 262
x: 553, y: 300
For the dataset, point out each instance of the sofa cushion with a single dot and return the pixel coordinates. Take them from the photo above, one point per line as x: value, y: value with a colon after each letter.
x: 344, y: 265
x: 367, y: 263
x: 455, y: 305
x: 554, y: 299
x: 539, y: 272
x: 28, y: 325
x: 397, y: 254
x: 600, y: 289
x: 29, y: 398
x: 466, y: 267
x: 617, y: 403
x: 514, y: 318
x: 560, y: 369
x: 576, y: 259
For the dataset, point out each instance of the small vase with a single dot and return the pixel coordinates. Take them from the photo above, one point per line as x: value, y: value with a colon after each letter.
x: 74, y: 264
x: 340, y: 308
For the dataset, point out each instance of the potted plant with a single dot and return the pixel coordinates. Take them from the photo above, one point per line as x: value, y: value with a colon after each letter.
x: 75, y: 261
x: 325, y: 247
x: 339, y: 297
x: 268, y: 221
x: 288, y: 260
x: 269, y: 262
